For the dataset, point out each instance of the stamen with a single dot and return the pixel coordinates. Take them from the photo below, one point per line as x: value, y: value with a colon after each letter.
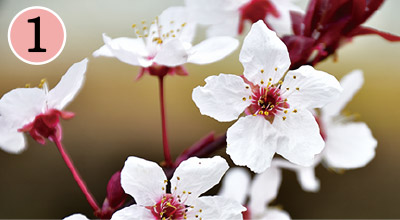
x: 262, y: 70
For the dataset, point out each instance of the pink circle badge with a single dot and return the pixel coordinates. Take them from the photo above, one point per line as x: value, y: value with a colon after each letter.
x: 37, y: 35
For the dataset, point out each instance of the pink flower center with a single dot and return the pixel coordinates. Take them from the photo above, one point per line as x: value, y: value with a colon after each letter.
x: 168, y: 208
x: 256, y: 10
x: 267, y: 102
x: 46, y: 125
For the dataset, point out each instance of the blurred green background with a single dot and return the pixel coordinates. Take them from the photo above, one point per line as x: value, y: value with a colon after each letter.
x: 117, y: 117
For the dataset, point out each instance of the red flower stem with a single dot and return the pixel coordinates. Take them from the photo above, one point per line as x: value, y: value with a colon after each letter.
x: 77, y: 177
x: 167, y: 154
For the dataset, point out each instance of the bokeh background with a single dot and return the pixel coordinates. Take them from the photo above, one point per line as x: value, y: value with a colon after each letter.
x: 117, y: 117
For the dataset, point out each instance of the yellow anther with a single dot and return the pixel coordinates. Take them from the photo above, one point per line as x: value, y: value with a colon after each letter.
x: 262, y: 70
x: 254, y: 114
x: 297, y: 88
x: 280, y: 82
x: 270, y: 79
x: 171, y: 22
x: 284, y: 117
x: 200, y: 210
x: 172, y: 31
x: 287, y: 89
x: 192, y: 207
x: 260, y: 112
x: 249, y: 96
x: 177, y: 30
x: 144, y: 28
x: 285, y: 111
x: 133, y: 25
x: 163, y: 188
x: 285, y: 100
x: 272, y: 106
x: 165, y: 181
x: 247, y: 87
x: 184, y: 24
x: 143, y: 22
x: 42, y: 82
x: 146, y: 35
x: 153, y: 22
x: 175, y: 188
x: 184, y: 217
x: 137, y: 32
x: 295, y: 111
x: 294, y: 77
x: 266, y: 113
x: 276, y: 68
x: 262, y: 81
x: 27, y: 85
x: 178, y: 178
x: 184, y: 192
x: 189, y: 193
x: 173, y: 35
x: 196, y: 216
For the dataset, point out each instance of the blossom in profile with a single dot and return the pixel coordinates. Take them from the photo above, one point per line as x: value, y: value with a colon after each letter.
x: 146, y: 182
x: 260, y: 192
x: 37, y: 110
x: 164, y: 46
x: 348, y: 144
x: 229, y: 17
x: 326, y: 26
x: 276, y: 101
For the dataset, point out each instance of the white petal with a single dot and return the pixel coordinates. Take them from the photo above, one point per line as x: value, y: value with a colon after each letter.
x: 222, y: 97
x: 235, y: 184
x: 76, y: 217
x: 133, y: 212
x: 310, y: 88
x: 174, y: 18
x: 143, y: 180
x: 350, y: 83
x: 263, y: 50
x: 196, y: 176
x: 216, y: 207
x: 305, y: 175
x: 104, y: 51
x: 301, y: 137
x: 11, y: 140
x: 252, y: 142
x: 264, y: 190
x: 68, y: 87
x: 128, y: 50
x: 229, y: 26
x: 349, y: 145
x: 275, y: 214
x: 283, y: 24
x: 20, y: 106
x: 212, y: 50
x: 171, y: 53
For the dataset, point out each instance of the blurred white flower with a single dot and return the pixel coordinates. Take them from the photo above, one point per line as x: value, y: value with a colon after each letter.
x: 275, y: 99
x: 261, y: 191
x: 76, y: 217
x: 166, y: 45
x: 146, y: 182
x: 37, y: 110
x: 348, y: 145
x: 228, y: 17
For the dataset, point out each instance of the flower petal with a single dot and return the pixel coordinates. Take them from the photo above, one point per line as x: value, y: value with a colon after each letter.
x: 235, y: 184
x: 143, y: 180
x: 301, y: 137
x: 196, y: 176
x: 263, y: 55
x: 305, y: 175
x: 20, y: 106
x: 216, y: 207
x: 229, y: 26
x: 128, y: 50
x: 171, y: 53
x: 174, y: 18
x: 133, y: 212
x: 349, y: 145
x: 224, y: 97
x: 252, y: 142
x: 212, y: 50
x: 264, y: 189
x: 283, y: 24
x: 68, y: 87
x: 310, y: 88
x: 76, y: 217
x: 11, y: 140
x: 350, y: 83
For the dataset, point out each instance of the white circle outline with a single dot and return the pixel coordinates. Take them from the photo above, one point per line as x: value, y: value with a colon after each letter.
x: 62, y: 46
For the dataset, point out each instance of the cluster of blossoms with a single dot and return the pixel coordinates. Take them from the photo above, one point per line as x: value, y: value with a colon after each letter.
x: 282, y: 104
